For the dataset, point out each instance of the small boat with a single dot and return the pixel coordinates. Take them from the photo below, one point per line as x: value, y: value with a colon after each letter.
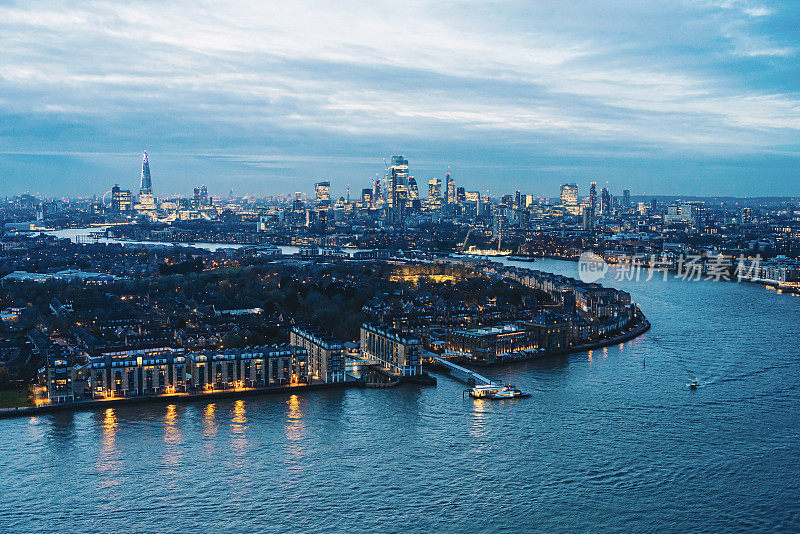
x: 496, y: 391
x: 693, y: 384
x: 522, y: 258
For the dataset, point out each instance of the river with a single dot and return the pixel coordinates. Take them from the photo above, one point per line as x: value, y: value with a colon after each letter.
x: 610, y: 440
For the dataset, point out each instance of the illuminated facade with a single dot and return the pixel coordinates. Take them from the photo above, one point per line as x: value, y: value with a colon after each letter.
x: 59, y: 375
x: 160, y: 370
x: 126, y: 373
x: 323, y: 193
x: 399, y: 352
x: 434, y: 194
x: 569, y: 198
x: 325, y: 355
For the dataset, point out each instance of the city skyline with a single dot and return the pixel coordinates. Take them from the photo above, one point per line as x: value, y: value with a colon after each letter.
x: 517, y: 96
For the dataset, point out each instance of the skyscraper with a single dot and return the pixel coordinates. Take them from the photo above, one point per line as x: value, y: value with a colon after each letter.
x: 397, y: 197
x: 323, y: 193
x: 377, y: 194
x: 147, y: 184
x: 201, y: 196
x: 434, y: 194
x: 605, y: 201
x: 569, y: 198
x: 593, y: 197
x: 451, y: 189
x: 121, y: 199
x: 413, y: 194
x: 366, y: 198
x: 626, y: 198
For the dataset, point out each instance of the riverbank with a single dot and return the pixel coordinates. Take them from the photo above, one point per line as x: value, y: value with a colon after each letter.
x: 635, y: 331
x: 29, y: 411
x: 173, y: 398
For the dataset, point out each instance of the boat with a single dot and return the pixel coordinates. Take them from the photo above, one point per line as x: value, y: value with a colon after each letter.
x: 496, y: 391
x: 693, y: 384
x: 522, y: 258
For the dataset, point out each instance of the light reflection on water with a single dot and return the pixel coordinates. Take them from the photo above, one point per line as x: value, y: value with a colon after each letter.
x: 478, y: 428
x: 294, y: 429
x: 109, y: 463
x: 173, y: 456
x: 239, y: 428
x: 210, y: 427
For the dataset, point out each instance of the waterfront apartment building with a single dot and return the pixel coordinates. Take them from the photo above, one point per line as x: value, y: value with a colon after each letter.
x: 489, y: 344
x: 544, y: 333
x: 399, y: 352
x: 251, y: 367
x: 131, y: 372
x: 158, y: 370
x: 59, y: 375
x: 325, y: 355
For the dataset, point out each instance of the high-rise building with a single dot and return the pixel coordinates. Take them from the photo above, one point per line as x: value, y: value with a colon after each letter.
x: 147, y: 184
x: 451, y: 189
x: 396, y: 175
x: 366, y: 197
x: 569, y: 198
x: 499, y: 225
x: 461, y: 195
x: 434, y: 194
x: 518, y: 199
x: 121, y: 199
x: 626, y: 198
x: 377, y: 194
x: 593, y: 197
x: 413, y: 194
x: 397, y: 197
x: 323, y: 193
x: 588, y: 219
x: 201, y: 196
x: 605, y: 201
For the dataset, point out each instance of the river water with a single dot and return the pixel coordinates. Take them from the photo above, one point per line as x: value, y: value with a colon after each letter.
x: 611, y: 440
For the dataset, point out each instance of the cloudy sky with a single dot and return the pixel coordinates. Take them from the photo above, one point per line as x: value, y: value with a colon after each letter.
x: 687, y: 97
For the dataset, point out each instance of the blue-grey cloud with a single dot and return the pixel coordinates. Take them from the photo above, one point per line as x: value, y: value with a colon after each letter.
x: 687, y: 96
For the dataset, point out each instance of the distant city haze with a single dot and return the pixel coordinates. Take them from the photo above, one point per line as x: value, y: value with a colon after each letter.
x: 679, y: 98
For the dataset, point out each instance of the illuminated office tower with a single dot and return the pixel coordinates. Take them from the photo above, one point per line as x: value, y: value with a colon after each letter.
x: 121, y: 199
x: 605, y: 202
x: 569, y: 198
x: 397, y: 196
x: 593, y: 197
x: 434, y: 194
x: 451, y: 189
x: 413, y: 194
x: 323, y: 193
